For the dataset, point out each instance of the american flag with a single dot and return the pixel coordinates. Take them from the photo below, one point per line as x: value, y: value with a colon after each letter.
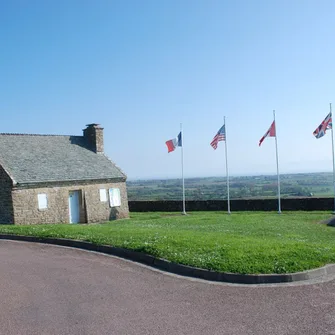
x: 326, y: 124
x: 220, y: 136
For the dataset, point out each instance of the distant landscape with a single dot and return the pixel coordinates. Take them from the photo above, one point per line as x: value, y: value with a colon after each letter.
x: 215, y: 188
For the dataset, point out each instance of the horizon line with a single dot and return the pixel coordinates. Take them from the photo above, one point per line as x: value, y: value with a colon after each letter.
x: 231, y: 176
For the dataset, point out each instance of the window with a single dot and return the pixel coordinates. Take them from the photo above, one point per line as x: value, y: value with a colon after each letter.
x: 103, y: 195
x: 114, y: 197
x: 42, y: 201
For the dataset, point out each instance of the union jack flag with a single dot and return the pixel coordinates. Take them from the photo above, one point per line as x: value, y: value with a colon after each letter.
x: 325, y: 125
x: 219, y: 136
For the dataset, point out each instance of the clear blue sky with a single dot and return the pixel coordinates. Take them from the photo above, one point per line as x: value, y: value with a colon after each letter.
x: 140, y: 68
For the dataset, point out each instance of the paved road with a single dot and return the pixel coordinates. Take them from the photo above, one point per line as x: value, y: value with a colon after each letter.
x: 53, y: 290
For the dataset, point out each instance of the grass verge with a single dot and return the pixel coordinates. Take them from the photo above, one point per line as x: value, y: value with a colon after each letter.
x: 248, y: 242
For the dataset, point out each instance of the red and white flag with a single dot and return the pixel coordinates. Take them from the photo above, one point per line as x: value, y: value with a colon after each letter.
x: 270, y: 133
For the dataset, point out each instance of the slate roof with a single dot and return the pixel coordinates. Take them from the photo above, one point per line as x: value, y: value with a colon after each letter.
x: 49, y: 158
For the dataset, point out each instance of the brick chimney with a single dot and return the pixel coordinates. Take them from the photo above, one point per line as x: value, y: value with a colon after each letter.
x: 94, y: 135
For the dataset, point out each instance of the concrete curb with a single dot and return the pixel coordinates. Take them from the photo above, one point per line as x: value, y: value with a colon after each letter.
x: 180, y: 269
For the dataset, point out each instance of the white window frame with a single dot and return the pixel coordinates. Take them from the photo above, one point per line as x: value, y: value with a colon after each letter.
x: 114, y: 197
x: 42, y: 200
x: 103, y: 195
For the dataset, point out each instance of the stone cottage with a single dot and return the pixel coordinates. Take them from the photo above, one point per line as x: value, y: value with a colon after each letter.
x: 59, y: 179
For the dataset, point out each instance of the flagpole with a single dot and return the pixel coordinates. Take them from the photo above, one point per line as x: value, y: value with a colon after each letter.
x: 331, y: 115
x: 278, y: 178
x: 228, y: 197
x: 182, y: 166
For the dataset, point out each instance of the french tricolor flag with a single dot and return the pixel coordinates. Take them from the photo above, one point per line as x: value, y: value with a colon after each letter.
x: 174, y: 143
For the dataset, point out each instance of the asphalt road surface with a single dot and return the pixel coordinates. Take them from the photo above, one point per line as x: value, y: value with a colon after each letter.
x: 55, y: 290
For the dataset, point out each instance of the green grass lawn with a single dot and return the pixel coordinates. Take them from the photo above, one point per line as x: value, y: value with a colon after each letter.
x: 248, y: 242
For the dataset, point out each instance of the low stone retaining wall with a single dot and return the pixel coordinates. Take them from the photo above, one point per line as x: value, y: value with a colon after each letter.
x: 288, y: 204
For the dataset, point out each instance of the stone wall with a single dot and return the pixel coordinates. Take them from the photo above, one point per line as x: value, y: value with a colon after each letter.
x: 25, y: 203
x: 6, y: 205
x: 287, y: 204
